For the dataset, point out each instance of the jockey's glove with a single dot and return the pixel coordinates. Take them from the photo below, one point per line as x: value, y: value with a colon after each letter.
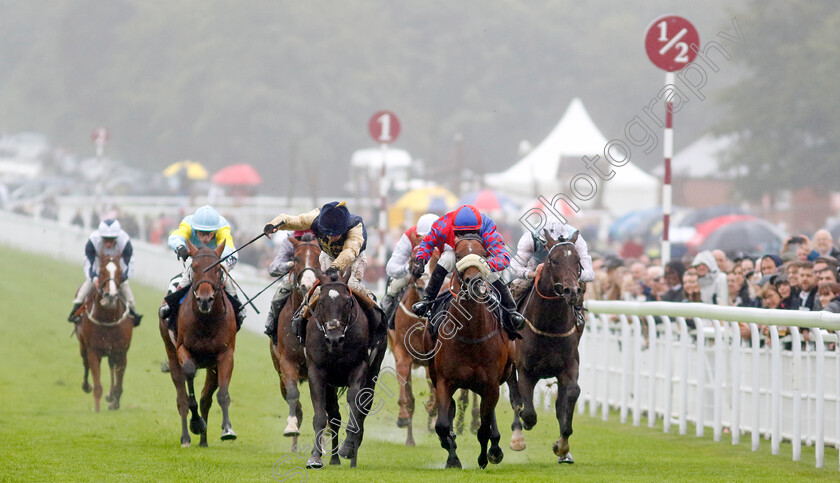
x: 182, y: 252
x: 419, y: 268
x: 268, y: 229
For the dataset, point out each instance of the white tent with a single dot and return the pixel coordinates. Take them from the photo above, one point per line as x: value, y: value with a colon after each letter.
x: 547, y: 169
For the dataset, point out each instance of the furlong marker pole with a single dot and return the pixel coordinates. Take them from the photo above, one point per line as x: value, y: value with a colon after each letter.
x: 383, y: 217
x: 668, y: 148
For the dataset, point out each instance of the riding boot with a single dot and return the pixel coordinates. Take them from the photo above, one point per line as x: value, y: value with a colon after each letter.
x: 238, y: 310
x: 136, y: 316
x: 578, y: 306
x: 512, y: 320
x: 299, y: 325
x: 422, y: 307
x: 271, y: 321
x: 73, y: 317
x: 388, y: 308
x: 169, y: 312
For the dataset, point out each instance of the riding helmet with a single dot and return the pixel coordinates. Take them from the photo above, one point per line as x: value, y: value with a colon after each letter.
x: 206, y: 218
x: 109, y: 228
x: 333, y: 219
x: 467, y: 218
x: 424, y: 224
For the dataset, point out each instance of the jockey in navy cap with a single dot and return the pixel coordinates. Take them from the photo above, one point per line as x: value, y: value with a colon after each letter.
x: 445, y: 231
x: 343, y: 239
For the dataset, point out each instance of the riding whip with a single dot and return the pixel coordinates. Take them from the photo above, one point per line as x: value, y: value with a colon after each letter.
x: 261, y: 291
x: 243, y: 246
x: 243, y: 292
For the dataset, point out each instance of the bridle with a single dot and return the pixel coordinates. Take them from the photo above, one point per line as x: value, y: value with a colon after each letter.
x: 295, y: 278
x: 334, y: 323
x: 458, y: 275
x: 216, y: 289
x: 556, y: 294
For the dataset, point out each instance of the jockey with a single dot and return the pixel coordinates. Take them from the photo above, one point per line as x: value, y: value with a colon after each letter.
x: 397, y: 267
x: 343, y: 239
x: 531, y: 252
x: 204, y: 228
x: 281, y: 266
x: 445, y: 231
x: 109, y: 239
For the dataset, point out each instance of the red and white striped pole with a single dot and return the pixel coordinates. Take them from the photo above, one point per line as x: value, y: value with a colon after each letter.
x: 383, y: 217
x: 668, y: 148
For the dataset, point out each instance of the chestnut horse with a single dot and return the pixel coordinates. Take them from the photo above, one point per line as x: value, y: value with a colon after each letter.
x: 472, y: 352
x: 288, y: 355
x: 549, y: 345
x: 340, y: 352
x: 105, y: 331
x: 206, y: 340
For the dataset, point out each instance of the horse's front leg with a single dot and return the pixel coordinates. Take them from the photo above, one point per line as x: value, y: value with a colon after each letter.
x: 197, y: 425
x: 526, y: 391
x: 94, y: 361
x: 334, y: 418
x: 83, y: 352
x: 517, y: 439
x: 318, y: 394
x: 488, y: 431
x: 358, y: 412
x: 118, y: 364
x: 443, y: 426
x: 289, y: 385
x: 224, y: 366
x: 431, y: 407
x: 568, y: 392
x: 211, y: 383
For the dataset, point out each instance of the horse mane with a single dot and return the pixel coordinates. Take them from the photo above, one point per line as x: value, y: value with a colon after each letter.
x: 306, y: 237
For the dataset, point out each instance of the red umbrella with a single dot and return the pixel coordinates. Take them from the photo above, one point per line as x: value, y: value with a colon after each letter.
x: 237, y: 175
x: 489, y: 200
x: 706, y: 228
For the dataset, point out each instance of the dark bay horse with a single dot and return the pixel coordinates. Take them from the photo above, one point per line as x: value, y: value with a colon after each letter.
x: 549, y: 344
x: 206, y: 340
x: 105, y: 331
x: 471, y: 352
x: 287, y: 356
x: 337, y: 354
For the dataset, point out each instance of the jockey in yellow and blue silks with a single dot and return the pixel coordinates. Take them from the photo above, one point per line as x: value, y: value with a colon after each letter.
x: 466, y: 219
x: 204, y: 228
x: 109, y: 239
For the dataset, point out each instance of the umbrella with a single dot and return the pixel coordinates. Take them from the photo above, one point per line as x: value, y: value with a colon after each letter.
x: 194, y: 170
x: 489, y: 200
x: 237, y: 175
x: 623, y: 225
x: 705, y: 214
x: 748, y: 235
x: 433, y: 199
x: 703, y: 230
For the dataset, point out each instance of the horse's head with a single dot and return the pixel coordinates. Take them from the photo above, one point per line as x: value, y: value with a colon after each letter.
x: 561, y: 269
x: 337, y: 309
x: 306, y: 267
x: 206, y: 285
x: 110, y: 277
x: 471, y: 268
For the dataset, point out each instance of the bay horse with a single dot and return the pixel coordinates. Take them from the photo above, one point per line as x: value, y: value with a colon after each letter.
x: 549, y: 345
x: 472, y: 352
x: 288, y: 355
x: 337, y: 354
x: 105, y: 330
x: 206, y: 340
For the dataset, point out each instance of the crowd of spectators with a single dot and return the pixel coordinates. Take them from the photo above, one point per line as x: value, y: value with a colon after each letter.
x: 802, y: 276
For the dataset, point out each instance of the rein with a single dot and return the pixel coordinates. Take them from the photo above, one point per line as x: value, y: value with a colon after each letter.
x: 536, y: 289
x: 353, y: 314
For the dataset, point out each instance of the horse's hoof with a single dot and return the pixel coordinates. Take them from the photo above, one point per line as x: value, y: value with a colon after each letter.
x: 347, y: 450
x: 453, y: 463
x: 114, y: 406
x: 560, y: 451
x: 109, y: 398
x: 228, y: 435
x: 185, y: 445
x: 197, y: 425
x: 291, y: 427
x: 164, y: 366
x: 482, y: 461
x: 403, y: 422
x: 529, y: 419
x: 409, y: 443
x: 86, y: 387
x: 495, y: 455
x: 567, y: 458
x: 517, y: 441
x: 335, y: 460
x: 315, y: 463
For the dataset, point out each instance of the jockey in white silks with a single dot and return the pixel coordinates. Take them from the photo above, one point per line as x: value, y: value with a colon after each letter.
x: 281, y: 267
x: 111, y: 240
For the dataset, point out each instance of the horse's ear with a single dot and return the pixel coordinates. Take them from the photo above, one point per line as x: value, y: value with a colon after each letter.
x: 191, y: 249
x: 294, y: 241
x: 574, y: 236
x: 220, y: 249
x: 415, y: 238
x: 551, y: 241
x: 345, y: 275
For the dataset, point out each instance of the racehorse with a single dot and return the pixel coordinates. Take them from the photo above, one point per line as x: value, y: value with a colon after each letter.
x: 471, y: 352
x: 549, y: 346
x: 105, y: 330
x: 206, y: 340
x: 287, y: 356
x: 337, y: 354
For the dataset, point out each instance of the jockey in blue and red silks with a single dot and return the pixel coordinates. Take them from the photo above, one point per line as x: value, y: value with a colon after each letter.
x: 464, y: 220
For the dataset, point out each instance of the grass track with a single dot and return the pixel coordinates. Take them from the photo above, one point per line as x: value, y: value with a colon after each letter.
x: 48, y: 430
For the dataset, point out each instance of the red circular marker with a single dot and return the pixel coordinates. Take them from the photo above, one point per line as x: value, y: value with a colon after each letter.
x: 384, y: 127
x: 99, y: 135
x: 669, y: 41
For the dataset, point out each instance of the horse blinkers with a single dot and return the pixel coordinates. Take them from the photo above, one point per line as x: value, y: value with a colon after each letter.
x: 334, y: 328
x: 568, y: 293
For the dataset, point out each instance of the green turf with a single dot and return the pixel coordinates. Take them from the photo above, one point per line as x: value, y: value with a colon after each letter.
x: 49, y: 431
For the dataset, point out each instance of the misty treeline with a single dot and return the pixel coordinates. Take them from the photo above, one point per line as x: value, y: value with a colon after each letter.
x: 267, y: 81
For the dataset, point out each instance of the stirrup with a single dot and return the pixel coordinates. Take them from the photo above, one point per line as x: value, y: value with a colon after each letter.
x: 581, y: 319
